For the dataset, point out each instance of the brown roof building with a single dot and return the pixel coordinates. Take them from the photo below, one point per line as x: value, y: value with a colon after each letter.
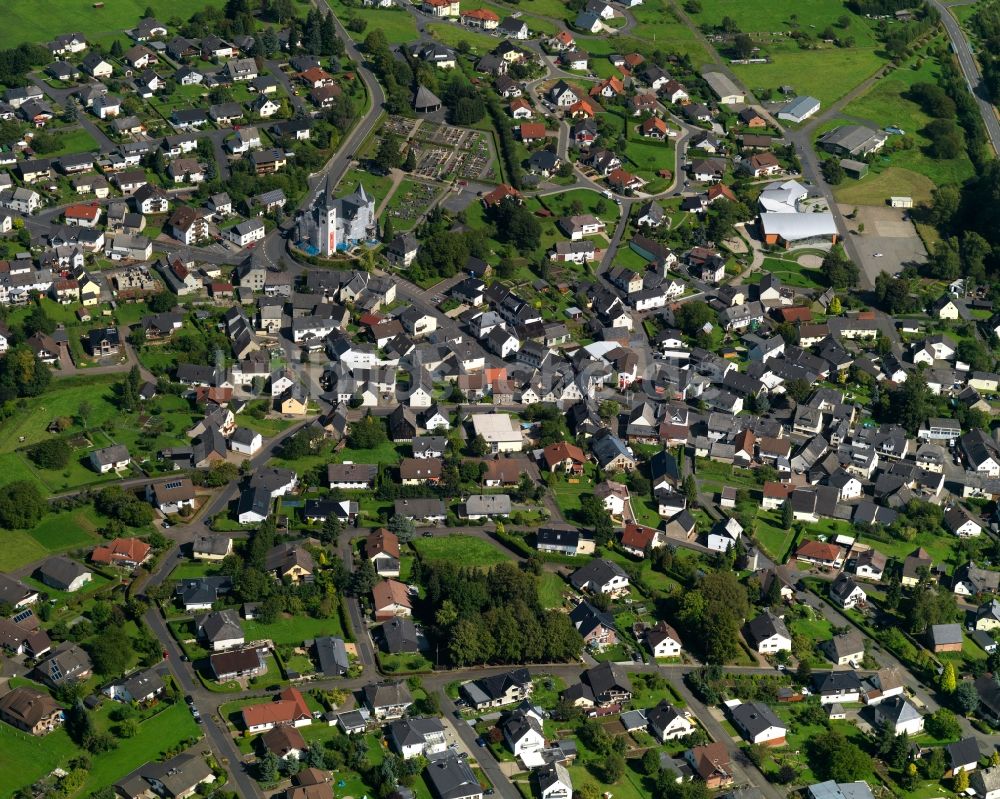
x: 31, y: 711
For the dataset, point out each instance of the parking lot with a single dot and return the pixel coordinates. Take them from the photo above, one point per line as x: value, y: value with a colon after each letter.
x: 887, y: 231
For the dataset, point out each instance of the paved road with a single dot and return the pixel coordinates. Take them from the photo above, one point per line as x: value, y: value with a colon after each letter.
x: 970, y: 69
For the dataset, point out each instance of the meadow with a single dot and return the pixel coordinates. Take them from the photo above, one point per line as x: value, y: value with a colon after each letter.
x: 42, y: 20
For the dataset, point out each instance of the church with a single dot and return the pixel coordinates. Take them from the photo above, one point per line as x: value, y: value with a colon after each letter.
x: 336, y: 224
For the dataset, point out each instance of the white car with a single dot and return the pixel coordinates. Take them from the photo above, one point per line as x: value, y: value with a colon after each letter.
x: 876, y: 255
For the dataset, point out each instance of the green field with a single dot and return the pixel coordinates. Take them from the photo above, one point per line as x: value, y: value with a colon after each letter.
x: 55, y: 533
x: 39, y: 21
x: 649, y: 157
x: 451, y: 35
x: 885, y: 105
x: 876, y: 187
x: 461, y: 549
x: 761, y: 17
x: 826, y: 74
x: 658, y: 26
x: 396, y: 23
x: 591, y: 201
x: 293, y: 630
x: 74, y: 141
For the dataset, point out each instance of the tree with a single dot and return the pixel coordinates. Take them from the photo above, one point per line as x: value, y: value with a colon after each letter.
x: 364, y: 578
x: 651, y: 762
x: 21, y: 505
x: 742, y: 46
x: 946, y: 138
x: 911, y: 403
x: 787, y: 516
x: 403, y: 527
x: 368, y: 433
x: 51, y: 454
x: 836, y: 758
x: 692, y: 316
x: 966, y: 698
x: 110, y: 651
x: 947, y: 683
x: 38, y: 321
x: 835, y: 307
x: 388, y: 230
x: 961, y: 783
x: 117, y: 503
x: 833, y: 172
x: 478, y: 446
x: 389, y: 154
x: 839, y: 270
x: 267, y: 768
x: 608, y: 410
x: 517, y: 225
x: 942, y: 723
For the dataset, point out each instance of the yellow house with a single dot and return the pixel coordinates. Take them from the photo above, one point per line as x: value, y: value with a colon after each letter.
x: 294, y: 404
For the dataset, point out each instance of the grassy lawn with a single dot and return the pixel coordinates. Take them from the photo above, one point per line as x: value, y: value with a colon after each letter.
x: 648, y: 157
x: 74, y: 141
x: 550, y: 590
x: 815, y: 629
x: 25, y: 758
x: 875, y: 187
x: 591, y: 202
x: 768, y: 531
x: 826, y: 74
x: 41, y: 20
x: 462, y: 549
x: 451, y: 35
x: 568, y: 494
x: 294, y: 629
x: 387, y: 452
x: 792, y: 273
x: 156, y: 735
x: 411, y: 662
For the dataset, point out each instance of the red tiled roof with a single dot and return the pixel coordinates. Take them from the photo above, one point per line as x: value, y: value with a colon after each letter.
x: 130, y: 550
x: 817, y: 550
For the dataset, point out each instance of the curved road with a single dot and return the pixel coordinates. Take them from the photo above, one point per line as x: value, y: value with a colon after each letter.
x: 970, y: 69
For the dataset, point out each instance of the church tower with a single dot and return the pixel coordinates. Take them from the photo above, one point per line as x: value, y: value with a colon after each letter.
x: 326, y: 221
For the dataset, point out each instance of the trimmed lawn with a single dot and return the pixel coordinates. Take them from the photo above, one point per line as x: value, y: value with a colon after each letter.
x: 293, y: 630
x: 411, y: 662
x: 550, y: 590
x: 387, y: 452
x: 376, y: 185
x: 792, y: 273
x: 769, y: 533
x: 41, y: 20
x: 25, y: 758
x: 465, y: 550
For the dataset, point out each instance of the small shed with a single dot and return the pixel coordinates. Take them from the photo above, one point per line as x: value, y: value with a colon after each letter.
x: 854, y: 169
x: 901, y: 202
